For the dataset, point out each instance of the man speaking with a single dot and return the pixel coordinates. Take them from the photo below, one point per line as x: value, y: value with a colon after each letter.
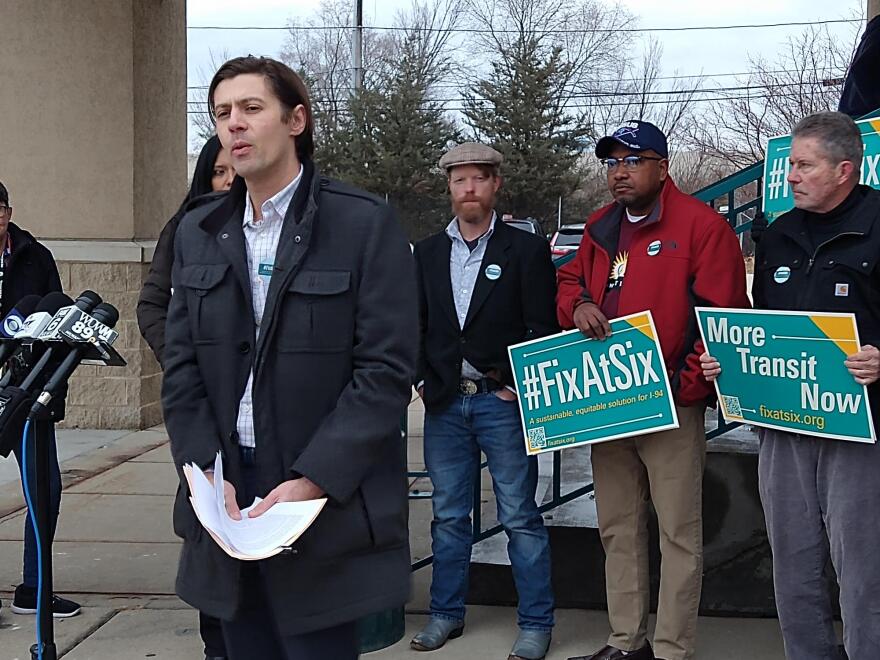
x: 291, y: 345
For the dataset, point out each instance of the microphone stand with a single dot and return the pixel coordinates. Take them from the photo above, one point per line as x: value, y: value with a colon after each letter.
x: 43, y: 423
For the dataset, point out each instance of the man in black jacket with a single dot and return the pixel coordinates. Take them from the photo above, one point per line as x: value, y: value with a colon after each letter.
x: 821, y: 496
x: 27, y: 268
x: 290, y: 348
x: 483, y: 286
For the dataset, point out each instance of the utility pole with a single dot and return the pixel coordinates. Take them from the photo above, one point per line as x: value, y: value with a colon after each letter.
x: 358, y: 47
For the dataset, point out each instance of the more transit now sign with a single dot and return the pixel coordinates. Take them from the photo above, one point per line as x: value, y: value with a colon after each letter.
x: 785, y: 371
x: 778, y: 198
x: 574, y: 390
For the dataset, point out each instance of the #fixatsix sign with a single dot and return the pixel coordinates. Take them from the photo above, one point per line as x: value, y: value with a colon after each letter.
x: 574, y: 390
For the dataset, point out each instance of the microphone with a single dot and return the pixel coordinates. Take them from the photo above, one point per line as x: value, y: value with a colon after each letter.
x: 46, y: 309
x: 86, y: 302
x: 78, y: 326
x: 33, y: 324
x: 13, y: 321
x: 14, y: 401
x: 45, y: 330
x: 104, y: 313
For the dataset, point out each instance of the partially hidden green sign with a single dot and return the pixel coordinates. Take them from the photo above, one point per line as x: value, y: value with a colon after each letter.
x: 574, y: 390
x: 785, y: 371
x: 778, y: 198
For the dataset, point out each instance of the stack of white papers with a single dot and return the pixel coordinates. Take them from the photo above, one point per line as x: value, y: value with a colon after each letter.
x: 248, y: 538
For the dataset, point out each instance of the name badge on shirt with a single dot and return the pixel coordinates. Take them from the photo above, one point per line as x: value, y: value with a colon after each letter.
x: 265, y: 270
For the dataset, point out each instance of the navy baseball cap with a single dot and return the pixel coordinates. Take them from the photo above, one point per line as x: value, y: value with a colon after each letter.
x: 638, y: 136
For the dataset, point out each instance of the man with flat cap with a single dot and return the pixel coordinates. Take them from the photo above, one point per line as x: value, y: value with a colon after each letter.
x: 654, y: 248
x: 482, y: 286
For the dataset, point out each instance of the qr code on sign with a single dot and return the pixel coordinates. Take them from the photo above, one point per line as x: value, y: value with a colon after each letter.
x: 537, y: 439
x: 731, y: 405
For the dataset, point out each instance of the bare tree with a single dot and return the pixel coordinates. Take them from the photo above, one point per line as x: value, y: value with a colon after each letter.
x: 804, y: 78
x: 639, y: 93
x: 425, y: 34
x: 586, y: 34
x: 320, y: 48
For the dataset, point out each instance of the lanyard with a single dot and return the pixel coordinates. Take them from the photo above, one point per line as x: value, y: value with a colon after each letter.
x: 2, y: 272
x: 4, y: 257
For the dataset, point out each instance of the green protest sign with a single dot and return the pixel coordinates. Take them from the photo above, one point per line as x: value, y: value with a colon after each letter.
x: 574, y: 390
x: 785, y: 371
x: 778, y: 197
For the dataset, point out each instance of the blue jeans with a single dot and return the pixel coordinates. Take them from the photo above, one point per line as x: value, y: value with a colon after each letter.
x: 31, y: 563
x: 453, y: 440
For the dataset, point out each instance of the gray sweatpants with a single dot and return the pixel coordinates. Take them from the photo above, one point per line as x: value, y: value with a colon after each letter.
x: 822, y: 498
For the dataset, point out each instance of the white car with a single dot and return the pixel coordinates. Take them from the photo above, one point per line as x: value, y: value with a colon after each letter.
x: 566, y: 239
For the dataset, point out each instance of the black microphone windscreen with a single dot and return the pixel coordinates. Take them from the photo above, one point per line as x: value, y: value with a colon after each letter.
x: 106, y: 314
x: 27, y: 305
x: 88, y: 300
x: 54, y: 301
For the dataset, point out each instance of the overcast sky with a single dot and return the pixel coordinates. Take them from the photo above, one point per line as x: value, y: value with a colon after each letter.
x: 685, y: 53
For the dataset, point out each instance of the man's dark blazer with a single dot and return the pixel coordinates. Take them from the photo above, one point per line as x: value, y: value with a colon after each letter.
x: 333, y: 368
x: 518, y: 305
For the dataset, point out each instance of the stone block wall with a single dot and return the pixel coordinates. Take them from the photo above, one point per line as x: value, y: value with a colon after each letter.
x: 114, y: 397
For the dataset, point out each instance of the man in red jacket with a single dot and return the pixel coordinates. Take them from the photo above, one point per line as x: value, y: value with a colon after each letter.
x: 654, y: 248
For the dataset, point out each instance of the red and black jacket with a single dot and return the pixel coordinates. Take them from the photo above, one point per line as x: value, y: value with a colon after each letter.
x: 685, y: 255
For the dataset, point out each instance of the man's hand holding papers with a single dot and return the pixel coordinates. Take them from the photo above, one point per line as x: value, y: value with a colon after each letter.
x: 264, y: 530
x: 294, y: 490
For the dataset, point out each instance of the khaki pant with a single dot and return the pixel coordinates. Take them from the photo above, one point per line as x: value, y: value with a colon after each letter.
x: 666, y: 468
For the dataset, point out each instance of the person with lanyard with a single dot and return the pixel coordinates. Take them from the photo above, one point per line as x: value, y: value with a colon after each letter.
x: 28, y: 268
x: 654, y: 248
x: 820, y: 496
x: 483, y: 286
x: 290, y: 349
x: 212, y: 178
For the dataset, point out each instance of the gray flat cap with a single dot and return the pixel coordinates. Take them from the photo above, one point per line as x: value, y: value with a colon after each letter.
x: 470, y: 153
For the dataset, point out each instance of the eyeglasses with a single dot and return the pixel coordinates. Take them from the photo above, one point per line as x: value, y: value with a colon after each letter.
x: 4, y: 209
x: 629, y: 162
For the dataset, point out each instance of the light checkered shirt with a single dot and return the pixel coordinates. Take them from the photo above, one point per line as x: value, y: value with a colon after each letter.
x: 262, y: 243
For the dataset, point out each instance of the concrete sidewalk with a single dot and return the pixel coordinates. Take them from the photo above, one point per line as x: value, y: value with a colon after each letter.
x: 115, y: 553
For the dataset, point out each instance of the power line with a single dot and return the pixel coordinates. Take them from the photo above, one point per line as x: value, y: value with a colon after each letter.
x: 663, y: 92
x: 609, y: 80
x: 683, y: 28
x: 609, y: 105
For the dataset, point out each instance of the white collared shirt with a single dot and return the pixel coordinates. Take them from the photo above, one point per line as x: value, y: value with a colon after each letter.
x: 261, y: 238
